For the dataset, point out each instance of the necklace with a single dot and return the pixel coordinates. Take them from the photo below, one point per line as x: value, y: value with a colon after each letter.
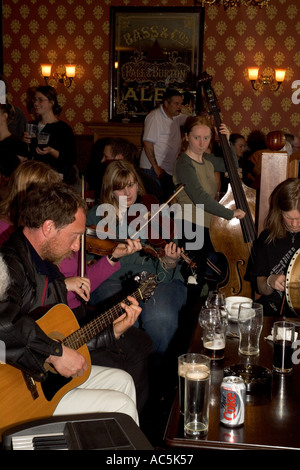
x: 293, y: 235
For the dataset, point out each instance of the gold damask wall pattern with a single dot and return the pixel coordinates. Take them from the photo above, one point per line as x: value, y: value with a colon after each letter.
x: 242, y: 37
x: 66, y: 31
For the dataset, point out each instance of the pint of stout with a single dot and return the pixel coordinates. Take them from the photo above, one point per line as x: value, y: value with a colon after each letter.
x: 190, y: 362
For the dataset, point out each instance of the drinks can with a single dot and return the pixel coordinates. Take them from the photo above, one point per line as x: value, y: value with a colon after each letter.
x: 232, y: 403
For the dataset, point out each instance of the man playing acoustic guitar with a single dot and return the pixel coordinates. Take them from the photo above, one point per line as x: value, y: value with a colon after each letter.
x: 53, y: 220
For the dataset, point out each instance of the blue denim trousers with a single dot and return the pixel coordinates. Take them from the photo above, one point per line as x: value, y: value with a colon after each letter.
x: 159, y: 317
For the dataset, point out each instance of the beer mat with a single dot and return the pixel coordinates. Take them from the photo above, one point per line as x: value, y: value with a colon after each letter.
x: 256, y: 378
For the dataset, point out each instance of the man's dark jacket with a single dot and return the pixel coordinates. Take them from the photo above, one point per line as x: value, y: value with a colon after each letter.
x: 27, y: 346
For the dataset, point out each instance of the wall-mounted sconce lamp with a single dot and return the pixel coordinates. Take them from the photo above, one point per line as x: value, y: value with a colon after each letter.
x: 258, y: 81
x: 65, y: 78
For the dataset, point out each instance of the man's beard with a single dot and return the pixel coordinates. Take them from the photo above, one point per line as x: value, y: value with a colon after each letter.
x: 51, y: 254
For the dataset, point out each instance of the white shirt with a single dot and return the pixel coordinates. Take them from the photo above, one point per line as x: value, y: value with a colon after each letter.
x: 165, y: 135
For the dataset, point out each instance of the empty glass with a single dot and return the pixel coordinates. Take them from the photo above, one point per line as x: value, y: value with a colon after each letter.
x: 31, y: 129
x: 250, y: 322
x: 216, y: 299
x: 283, y: 338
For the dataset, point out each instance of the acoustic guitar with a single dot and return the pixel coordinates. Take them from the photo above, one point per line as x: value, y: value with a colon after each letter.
x: 22, y: 398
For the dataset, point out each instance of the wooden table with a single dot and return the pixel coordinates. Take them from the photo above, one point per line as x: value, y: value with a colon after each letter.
x: 272, y: 420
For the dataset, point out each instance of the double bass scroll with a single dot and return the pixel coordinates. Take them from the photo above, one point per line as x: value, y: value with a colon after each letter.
x: 233, y: 237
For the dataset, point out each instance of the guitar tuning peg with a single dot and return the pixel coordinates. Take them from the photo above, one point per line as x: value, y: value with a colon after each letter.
x: 140, y: 277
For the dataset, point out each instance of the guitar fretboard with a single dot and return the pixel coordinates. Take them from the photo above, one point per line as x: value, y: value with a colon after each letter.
x: 84, y: 334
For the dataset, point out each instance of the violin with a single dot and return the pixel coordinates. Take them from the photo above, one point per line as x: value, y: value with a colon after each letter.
x: 104, y: 247
x: 99, y: 246
x: 159, y: 239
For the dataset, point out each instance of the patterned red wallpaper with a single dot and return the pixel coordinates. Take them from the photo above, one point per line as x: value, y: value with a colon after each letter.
x: 69, y: 31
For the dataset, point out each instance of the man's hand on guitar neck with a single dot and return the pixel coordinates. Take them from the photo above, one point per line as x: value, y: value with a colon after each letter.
x: 128, y: 319
x: 70, y: 364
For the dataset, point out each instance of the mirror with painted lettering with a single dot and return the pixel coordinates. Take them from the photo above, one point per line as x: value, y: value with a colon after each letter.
x: 152, y: 49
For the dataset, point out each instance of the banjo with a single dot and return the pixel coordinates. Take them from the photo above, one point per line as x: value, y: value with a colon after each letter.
x: 292, y: 289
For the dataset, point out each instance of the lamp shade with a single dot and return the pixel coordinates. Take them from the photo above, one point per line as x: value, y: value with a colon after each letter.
x: 280, y: 75
x: 253, y: 73
x: 70, y: 70
x: 46, y: 70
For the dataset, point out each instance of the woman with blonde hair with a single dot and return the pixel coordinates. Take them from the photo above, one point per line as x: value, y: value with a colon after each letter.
x: 122, y: 191
x: 25, y: 174
x: 118, y: 176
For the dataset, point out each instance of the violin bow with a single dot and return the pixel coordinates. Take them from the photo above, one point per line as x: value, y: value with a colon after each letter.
x: 82, y: 253
x: 180, y: 188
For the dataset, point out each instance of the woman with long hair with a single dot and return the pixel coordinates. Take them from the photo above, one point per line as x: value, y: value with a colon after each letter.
x: 121, y: 195
x: 276, y: 246
x: 60, y: 152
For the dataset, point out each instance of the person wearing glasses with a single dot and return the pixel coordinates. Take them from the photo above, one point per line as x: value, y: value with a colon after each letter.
x: 60, y: 151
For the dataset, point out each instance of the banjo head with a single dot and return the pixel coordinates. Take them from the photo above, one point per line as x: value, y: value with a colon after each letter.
x: 292, y: 289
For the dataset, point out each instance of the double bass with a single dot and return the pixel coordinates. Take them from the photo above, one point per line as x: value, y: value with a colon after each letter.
x: 233, y: 238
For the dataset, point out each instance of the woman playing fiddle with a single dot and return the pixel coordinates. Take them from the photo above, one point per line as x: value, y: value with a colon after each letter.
x: 276, y: 246
x: 195, y: 168
x: 122, y: 190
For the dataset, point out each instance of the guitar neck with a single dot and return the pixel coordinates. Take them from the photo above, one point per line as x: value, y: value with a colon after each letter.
x: 84, y: 334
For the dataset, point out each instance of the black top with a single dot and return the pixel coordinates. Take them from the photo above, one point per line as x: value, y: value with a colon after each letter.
x: 63, y: 140
x: 273, y: 258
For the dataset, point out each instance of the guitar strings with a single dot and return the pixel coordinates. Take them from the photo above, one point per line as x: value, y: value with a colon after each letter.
x: 81, y: 336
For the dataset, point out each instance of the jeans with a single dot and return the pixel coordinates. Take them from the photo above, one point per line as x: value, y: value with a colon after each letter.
x: 159, y: 317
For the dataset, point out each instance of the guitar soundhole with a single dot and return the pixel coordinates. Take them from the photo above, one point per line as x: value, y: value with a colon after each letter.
x: 53, y: 384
